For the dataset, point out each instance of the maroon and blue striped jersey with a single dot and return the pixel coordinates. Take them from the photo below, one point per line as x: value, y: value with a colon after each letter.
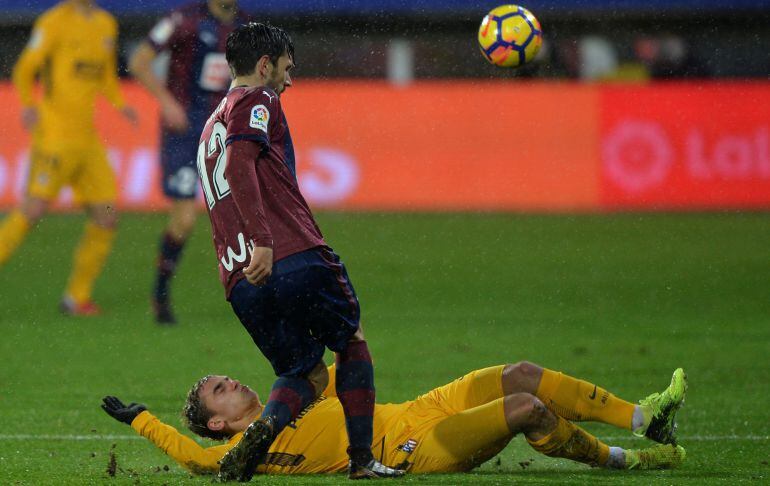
x: 248, y: 176
x: 198, y: 75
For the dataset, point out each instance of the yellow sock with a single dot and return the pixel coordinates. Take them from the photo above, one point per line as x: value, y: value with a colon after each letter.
x: 579, y: 400
x: 12, y: 233
x: 571, y: 442
x: 90, y: 255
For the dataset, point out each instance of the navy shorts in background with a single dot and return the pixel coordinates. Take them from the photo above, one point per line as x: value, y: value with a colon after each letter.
x: 178, y: 154
x: 308, y: 304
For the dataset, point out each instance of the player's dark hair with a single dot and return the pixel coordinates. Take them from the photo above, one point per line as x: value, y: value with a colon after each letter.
x: 196, y: 416
x: 248, y: 43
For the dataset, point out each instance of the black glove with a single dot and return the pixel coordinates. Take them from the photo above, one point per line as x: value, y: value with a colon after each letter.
x: 119, y: 411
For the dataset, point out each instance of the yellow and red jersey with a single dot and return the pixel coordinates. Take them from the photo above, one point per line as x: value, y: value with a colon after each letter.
x: 73, y: 53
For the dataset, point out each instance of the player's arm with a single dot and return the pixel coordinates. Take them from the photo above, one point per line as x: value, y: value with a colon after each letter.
x: 241, y: 173
x: 38, y: 49
x: 251, y: 122
x: 111, y: 83
x: 140, y: 65
x: 185, y: 451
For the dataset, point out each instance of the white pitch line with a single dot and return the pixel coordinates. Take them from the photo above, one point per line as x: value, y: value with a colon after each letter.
x: 702, y: 438
x: 694, y: 438
x: 67, y: 437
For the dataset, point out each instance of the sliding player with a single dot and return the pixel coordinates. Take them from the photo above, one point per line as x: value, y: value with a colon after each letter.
x: 453, y: 428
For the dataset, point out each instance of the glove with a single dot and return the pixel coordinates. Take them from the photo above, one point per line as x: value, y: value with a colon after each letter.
x: 120, y: 412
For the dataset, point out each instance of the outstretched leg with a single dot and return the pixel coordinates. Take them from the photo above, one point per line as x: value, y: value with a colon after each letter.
x: 569, y: 397
x: 472, y: 436
x: 579, y: 400
x: 554, y: 436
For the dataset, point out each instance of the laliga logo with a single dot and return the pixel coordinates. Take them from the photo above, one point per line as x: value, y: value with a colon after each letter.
x: 331, y: 176
x: 637, y: 155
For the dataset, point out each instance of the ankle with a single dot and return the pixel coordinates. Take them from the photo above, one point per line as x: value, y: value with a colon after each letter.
x: 360, y: 455
x: 641, y: 418
x: 616, y: 459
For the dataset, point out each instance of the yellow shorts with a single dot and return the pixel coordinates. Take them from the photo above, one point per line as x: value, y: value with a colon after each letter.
x: 455, y: 427
x: 84, y: 167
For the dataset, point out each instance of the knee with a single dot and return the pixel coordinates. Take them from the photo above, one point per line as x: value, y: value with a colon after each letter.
x: 107, y: 220
x: 186, y: 222
x: 33, y: 210
x: 521, y: 377
x: 104, y: 216
x: 182, y: 221
x: 527, y: 413
x: 539, y: 414
x: 319, y: 378
x: 522, y: 370
x: 358, y: 335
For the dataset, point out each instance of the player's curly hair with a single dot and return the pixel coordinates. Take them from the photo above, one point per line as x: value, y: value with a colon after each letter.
x: 196, y: 416
x: 248, y: 43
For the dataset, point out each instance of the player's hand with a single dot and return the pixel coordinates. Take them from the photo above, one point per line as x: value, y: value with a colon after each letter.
x: 29, y: 117
x: 261, y: 265
x: 129, y: 113
x: 174, y: 116
x: 120, y: 412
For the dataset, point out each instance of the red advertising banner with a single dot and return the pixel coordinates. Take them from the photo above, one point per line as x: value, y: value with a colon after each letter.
x: 446, y: 145
x: 132, y: 151
x: 463, y: 145
x: 686, y: 146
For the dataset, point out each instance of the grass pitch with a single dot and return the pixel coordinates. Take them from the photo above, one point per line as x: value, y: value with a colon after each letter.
x: 620, y: 300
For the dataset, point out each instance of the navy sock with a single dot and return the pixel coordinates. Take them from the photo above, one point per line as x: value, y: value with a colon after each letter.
x: 170, y: 251
x: 355, y: 390
x: 287, y: 399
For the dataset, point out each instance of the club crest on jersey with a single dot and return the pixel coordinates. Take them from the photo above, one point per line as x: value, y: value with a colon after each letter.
x: 408, y: 446
x: 259, y: 118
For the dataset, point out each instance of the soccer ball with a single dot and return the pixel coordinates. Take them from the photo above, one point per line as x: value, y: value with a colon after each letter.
x: 510, y: 36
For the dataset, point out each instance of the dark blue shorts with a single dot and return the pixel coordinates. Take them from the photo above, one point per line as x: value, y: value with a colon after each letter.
x: 308, y: 304
x: 178, y: 154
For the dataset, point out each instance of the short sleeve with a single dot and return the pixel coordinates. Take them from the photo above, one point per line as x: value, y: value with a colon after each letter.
x: 255, y: 117
x: 43, y: 36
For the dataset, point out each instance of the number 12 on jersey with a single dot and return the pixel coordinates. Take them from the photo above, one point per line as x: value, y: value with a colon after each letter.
x: 206, y: 149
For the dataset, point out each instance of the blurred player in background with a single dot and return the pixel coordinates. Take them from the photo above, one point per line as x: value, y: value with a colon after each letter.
x: 198, y: 78
x: 455, y: 427
x: 288, y: 288
x: 72, y: 50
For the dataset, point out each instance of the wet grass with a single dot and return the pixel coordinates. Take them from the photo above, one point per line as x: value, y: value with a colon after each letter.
x: 620, y: 300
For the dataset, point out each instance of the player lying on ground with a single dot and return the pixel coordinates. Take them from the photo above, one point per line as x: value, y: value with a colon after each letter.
x: 455, y: 427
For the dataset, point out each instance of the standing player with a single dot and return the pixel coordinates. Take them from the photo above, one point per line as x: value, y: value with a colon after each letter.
x: 72, y: 49
x: 198, y: 77
x: 293, y: 295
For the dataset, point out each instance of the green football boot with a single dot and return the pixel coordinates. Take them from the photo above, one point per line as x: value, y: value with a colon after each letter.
x: 660, y: 410
x: 659, y: 456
